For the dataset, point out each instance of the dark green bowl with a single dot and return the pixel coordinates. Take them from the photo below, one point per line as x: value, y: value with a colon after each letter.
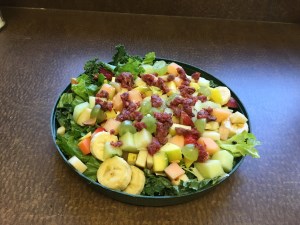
x: 153, y: 200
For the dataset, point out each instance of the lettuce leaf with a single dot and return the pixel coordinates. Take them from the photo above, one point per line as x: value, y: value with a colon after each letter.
x: 241, y: 144
x: 149, y: 58
x: 84, y: 88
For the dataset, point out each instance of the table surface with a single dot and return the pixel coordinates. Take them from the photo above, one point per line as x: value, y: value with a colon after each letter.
x: 40, y: 50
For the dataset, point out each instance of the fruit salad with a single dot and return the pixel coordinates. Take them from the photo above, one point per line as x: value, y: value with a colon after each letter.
x: 146, y: 127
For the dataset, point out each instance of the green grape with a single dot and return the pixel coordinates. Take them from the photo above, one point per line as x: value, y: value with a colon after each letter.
x: 101, y: 116
x: 126, y: 126
x: 150, y: 122
x: 160, y: 67
x: 146, y: 107
x: 190, y: 152
x: 200, y: 124
x: 95, y: 111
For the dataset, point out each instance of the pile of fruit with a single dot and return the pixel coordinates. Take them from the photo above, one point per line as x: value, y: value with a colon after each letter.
x: 151, y: 118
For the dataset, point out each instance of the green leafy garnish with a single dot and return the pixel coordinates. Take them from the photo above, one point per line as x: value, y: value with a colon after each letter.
x: 149, y: 58
x: 84, y: 88
x: 241, y: 144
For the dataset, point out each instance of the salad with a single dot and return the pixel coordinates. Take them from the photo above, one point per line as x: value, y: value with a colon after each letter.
x: 145, y: 127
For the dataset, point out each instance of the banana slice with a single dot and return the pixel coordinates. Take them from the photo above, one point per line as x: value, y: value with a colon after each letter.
x: 220, y: 94
x: 137, y: 182
x: 114, y: 173
x: 236, y: 128
x: 98, y: 141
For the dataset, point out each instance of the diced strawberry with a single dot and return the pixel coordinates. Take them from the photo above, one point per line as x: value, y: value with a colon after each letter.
x: 232, y: 103
x: 185, y: 119
x: 189, y: 139
x: 99, y: 129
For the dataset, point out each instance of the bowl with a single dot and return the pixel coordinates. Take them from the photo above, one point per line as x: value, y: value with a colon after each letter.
x: 153, y: 200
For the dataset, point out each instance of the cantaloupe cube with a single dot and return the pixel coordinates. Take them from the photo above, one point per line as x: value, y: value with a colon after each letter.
x: 110, y: 89
x: 173, y: 171
x: 177, y: 140
x: 111, y: 124
x: 117, y: 102
x: 221, y: 114
x: 209, y: 144
x: 172, y: 68
x: 135, y: 96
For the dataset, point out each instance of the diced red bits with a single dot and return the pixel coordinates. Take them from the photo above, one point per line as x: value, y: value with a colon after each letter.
x: 196, y: 76
x: 156, y: 101
x: 182, y: 73
x: 149, y: 79
x: 126, y: 80
x: 154, y: 146
x: 140, y: 125
x: 160, y: 83
x: 170, y: 77
x: 232, y: 103
x: 202, y: 98
x: 189, y: 139
x: 164, y: 122
x: 102, y: 94
x: 112, y: 131
x: 129, y: 111
x: 106, y: 106
x: 116, y: 143
x: 186, y: 91
x: 108, y: 74
x: 203, y: 154
x: 206, y: 114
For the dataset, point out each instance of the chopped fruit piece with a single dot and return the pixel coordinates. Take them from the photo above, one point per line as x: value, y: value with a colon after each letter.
x: 203, y: 82
x: 197, y: 174
x: 112, y: 124
x: 109, y: 89
x: 84, y: 145
x: 84, y: 116
x: 232, y: 103
x: 172, y: 68
x: 126, y: 126
x: 99, y: 129
x: 149, y: 162
x: 221, y: 114
x: 238, y: 117
x: 209, y: 144
x: 212, y: 125
x: 172, y: 130
x: 224, y: 133
x: 200, y: 124
x: 190, y: 139
x: 211, y: 134
x: 142, y: 159
x: 111, y: 114
x: 131, y: 159
x: 110, y: 151
x: 92, y: 102
x: 79, y: 109
x: 177, y: 181
x: 177, y: 140
x: 173, y: 152
x: 135, y: 96
x: 188, y: 162
x: 128, y: 143
x: 225, y: 158
x: 77, y: 164
x: 61, y: 130
x: 117, y: 102
x: 160, y: 161
x: 190, y: 152
x: 210, y: 169
x: 142, y: 139
x: 185, y: 119
x: 174, y: 171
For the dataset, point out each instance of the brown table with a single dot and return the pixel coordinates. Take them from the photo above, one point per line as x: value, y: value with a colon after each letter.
x: 40, y: 50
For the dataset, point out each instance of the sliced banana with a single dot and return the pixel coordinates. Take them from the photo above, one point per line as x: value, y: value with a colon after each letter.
x: 225, y: 93
x: 114, y: 173
x: 98, y: 141
x: 137, y: 182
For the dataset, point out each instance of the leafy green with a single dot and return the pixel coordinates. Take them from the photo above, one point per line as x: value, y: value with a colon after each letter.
x: 149, y: 58
x: 92, y: 168
x: 91, y: 67
x: 241, y: 144
x: 157, y: 185
x: 65, y: 99
x: 212, y: 84
x: 120, y: 56
x: 84, y: 88
x: 132, y: 66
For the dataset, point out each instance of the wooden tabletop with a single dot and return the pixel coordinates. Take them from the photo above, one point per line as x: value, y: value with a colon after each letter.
x: 40, y: 50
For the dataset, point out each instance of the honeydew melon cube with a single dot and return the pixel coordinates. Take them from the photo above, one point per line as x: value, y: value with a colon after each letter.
x: 173, y: 152
x: 197, y: 174
x: 142, y: 139
x: 160, y: 161
x: 77, y: 164
x: 128, y: 144
x: 225, y: 158
x: 210, y: 169
x: 203, y: 82
x: 92, y: 102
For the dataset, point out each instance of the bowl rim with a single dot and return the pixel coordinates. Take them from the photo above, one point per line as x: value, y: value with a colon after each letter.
x: 152, y: 200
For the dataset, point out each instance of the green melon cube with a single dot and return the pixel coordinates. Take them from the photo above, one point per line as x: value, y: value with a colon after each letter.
x: 110, y: 151
x: 173, y: 152
x: 128, y: 143
x: 142, y: 139
x: 225, y: 158
x: 210, y: 168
